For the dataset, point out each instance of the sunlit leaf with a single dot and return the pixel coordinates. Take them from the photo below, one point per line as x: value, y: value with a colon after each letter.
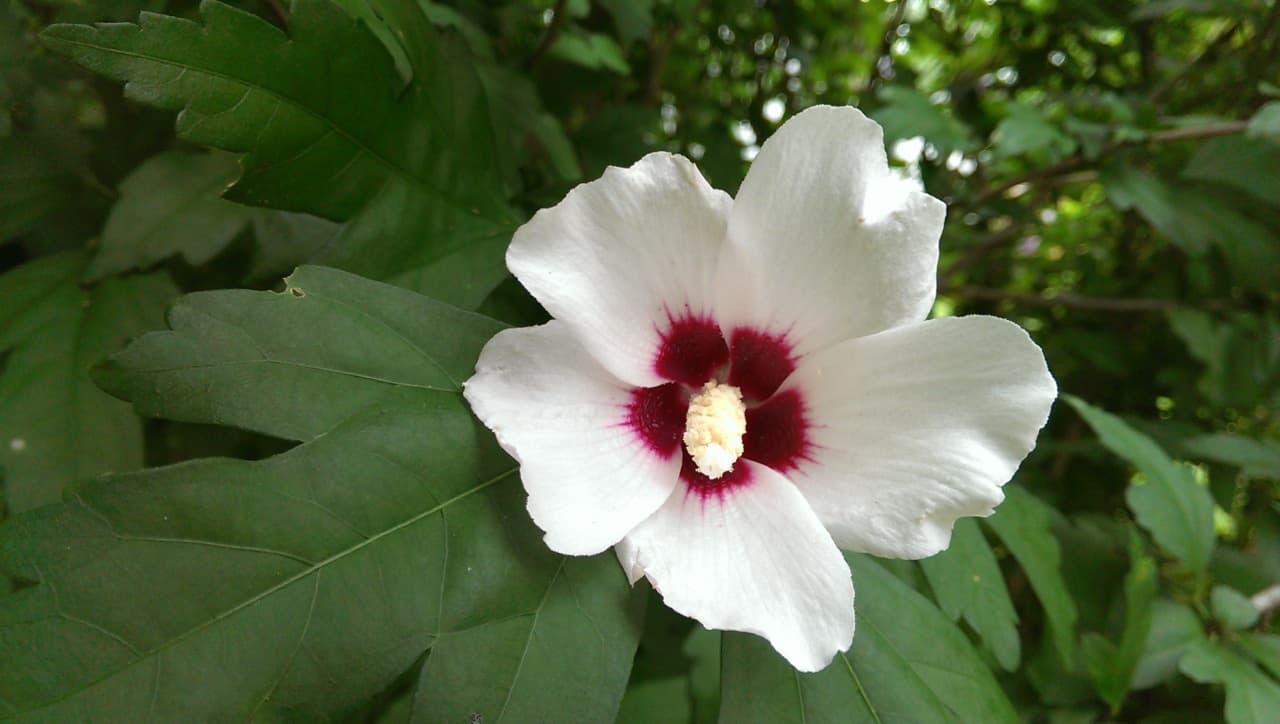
x: 908, y: 113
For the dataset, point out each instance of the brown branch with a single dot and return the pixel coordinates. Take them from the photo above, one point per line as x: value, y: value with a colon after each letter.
x: 659, y: 51
x: 973, y: 254
x: 279, y: 11
x: 1266, y: 600
x: 549, y: 37
x: 1073, y: 163
x: 1075, y: 301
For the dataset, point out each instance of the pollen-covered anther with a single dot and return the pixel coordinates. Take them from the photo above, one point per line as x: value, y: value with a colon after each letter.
x: 714, y: 427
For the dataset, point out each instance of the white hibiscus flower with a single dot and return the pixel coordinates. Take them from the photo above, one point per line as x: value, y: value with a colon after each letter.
x: 734, y: 389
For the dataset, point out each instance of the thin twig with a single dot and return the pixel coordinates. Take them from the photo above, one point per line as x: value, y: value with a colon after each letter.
x: 1073, y: 163
x: 660, y: 50
x: 1076, y: 301
x: 549, y: 37
x: 973, y: 254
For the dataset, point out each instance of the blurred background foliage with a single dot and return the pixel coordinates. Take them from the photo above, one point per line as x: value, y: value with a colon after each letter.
x: 1112, y: 170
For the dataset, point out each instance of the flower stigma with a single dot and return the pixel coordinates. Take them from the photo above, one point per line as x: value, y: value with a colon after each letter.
x: 714, y: 427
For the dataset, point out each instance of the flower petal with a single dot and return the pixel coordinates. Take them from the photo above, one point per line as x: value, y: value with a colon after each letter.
x: 918, y: 426
x: 589, y: 476
x: 753, y: 559
x: 826, y: 242
x: 622, y: 255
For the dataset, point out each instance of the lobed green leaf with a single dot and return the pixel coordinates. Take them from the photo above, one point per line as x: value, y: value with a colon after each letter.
x: 55, y: 425
x: 1170, y: 505
x: 907, y: 663
x: 967, y: 583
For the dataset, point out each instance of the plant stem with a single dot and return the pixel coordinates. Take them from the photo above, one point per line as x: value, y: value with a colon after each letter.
x: 549, y: 37
x: 1073, y: 163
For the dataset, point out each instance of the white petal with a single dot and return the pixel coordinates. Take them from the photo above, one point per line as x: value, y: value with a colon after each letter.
x: 620, y: 254
x: 755, y: 559
x: 590, y: 478
x: 824, y: 241
x: 918, y: 426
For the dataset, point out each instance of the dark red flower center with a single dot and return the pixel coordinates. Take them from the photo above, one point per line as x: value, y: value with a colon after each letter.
x: 692, y: 352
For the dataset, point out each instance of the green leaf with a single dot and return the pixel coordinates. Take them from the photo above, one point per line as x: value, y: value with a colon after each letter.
x: 286, y: 240
x: 656, y: 700
x: 522, y: 675
x: 1025, y: 130
x: 1112, y: 666
x: 526, y: 118
x: 703, y: 647
x: 1241, y: 353
x: 446, y: 17
x: 1255, y: 458
x: 1163, y: 8
x: 1249, y: 247
x: 1022, y: 523
x: 324, y: 121
x: 231, y: 589
x: 1174, y: 627
x: 1195, y: 217
x: 367, y: 12
x: 1232, y: 608
x: 1252, y: 697
x: 1244, y: 163
x: 55, y: 425
x: 590, y: 50
x: 172, y: 204
x: 907, y: 663
x: 633, y: 18
x: 1265, y: 123
x: 966, y: 582
x: 41, y: 177
x: 908, y: 113
x: 1262, y: 648
x: 1170, y: 505
x: 1162, y: 205
x: 268, y: 362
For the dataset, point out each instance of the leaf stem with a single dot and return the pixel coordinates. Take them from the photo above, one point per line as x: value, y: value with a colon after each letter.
x: 549, y: 37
